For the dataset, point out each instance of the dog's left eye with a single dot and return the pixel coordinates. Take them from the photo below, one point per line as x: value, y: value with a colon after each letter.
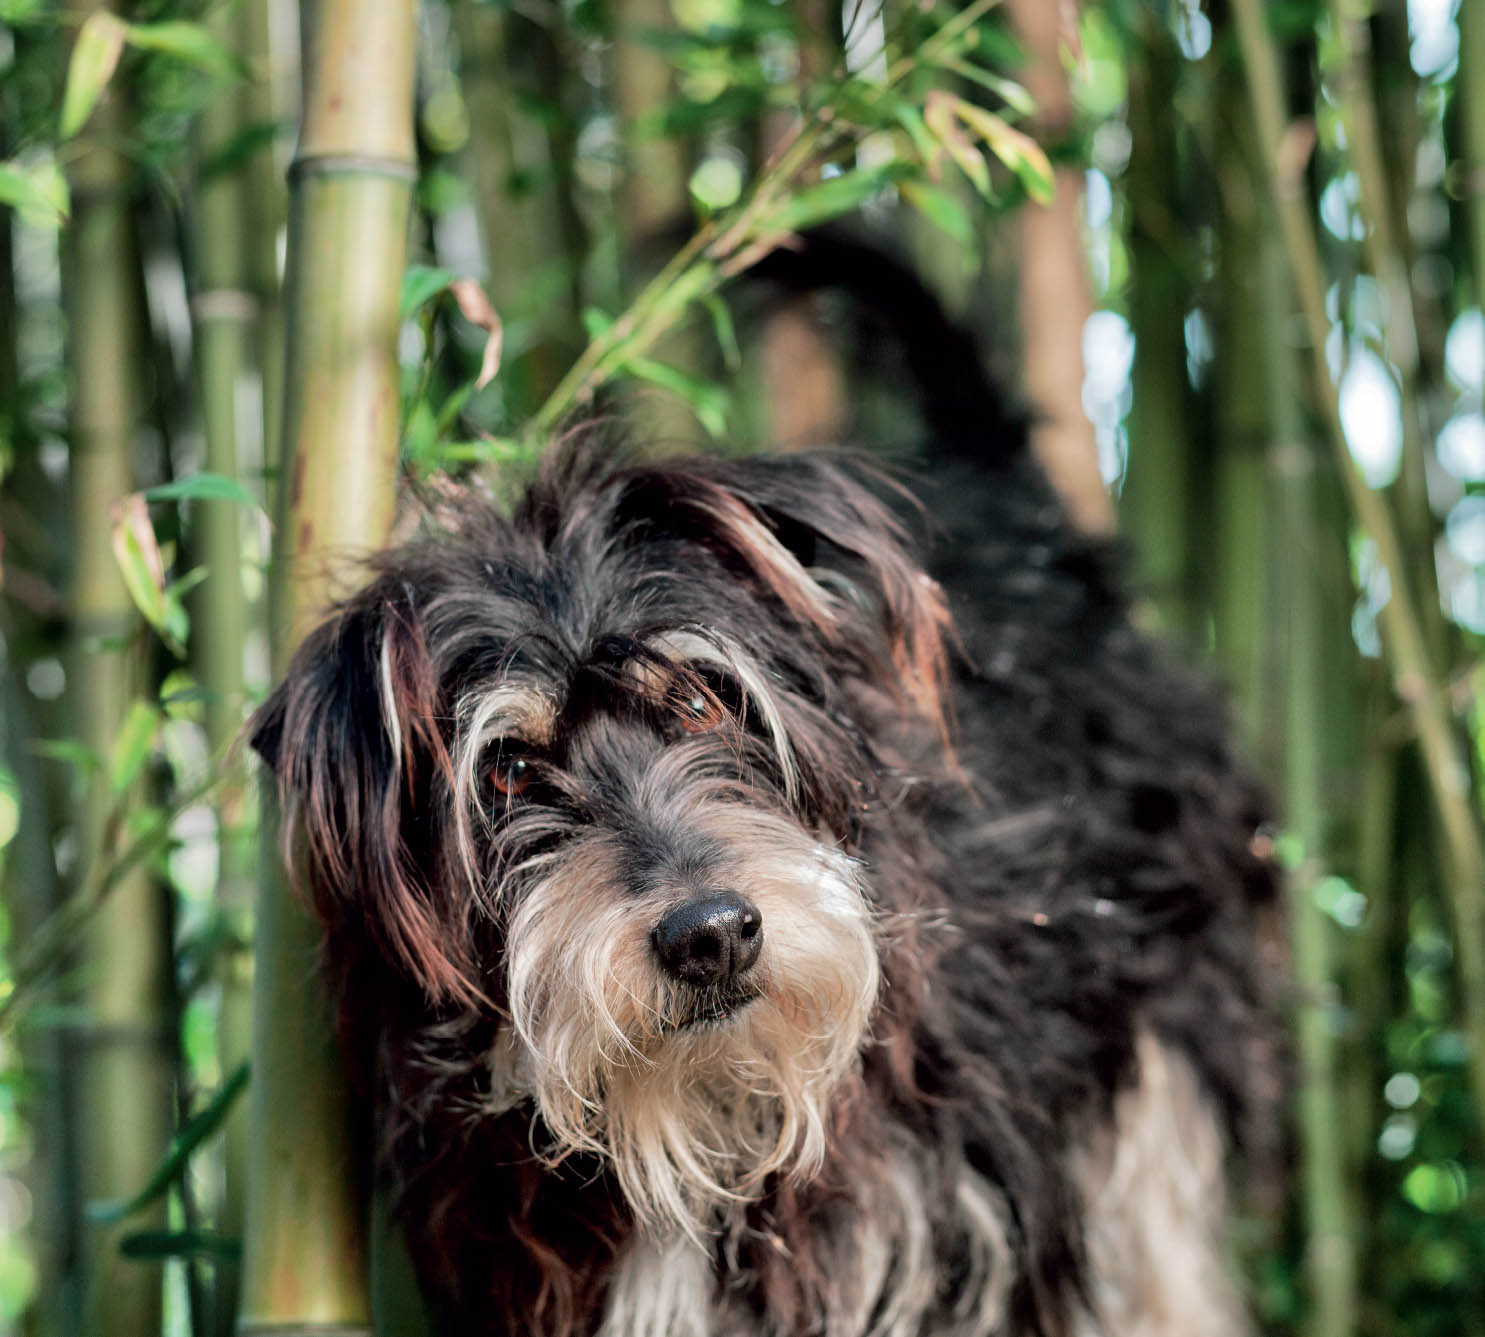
x: 701, y: 712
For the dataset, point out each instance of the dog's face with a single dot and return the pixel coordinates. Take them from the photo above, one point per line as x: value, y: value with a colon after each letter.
x: 598, y: 770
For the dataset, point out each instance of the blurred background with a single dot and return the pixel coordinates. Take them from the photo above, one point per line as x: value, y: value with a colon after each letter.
x: 1232, y: 253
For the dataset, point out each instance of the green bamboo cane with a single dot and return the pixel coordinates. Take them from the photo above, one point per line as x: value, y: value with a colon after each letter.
x: 225, y: 314
x: 1387, y: 259
x: 265, y: 205
x: 1415, y: 678
x: 123, y: 1054
x: 1471, y: 83
x: 1156, y: 503
x: 351, y: 191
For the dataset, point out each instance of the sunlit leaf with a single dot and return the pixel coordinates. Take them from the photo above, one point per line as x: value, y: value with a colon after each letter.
x: 940, y: 112
x: 1016, y: 149
x: 189, y: 42
x: 95, y: 56
x: 137, y: 553
x: 192, y: 1134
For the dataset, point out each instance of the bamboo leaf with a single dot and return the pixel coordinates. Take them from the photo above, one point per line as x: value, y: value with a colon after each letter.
x: 39, y: 192
x: 95, y: 56
x: 421, y: 284
x: 940, y: 112
x: 726, y: 331
x: 941, y: 209
x: 72, y: 751
x: 133, y: 745
x: 709, y: 402
x: 1007, y: 90
x: 475, y: 307
x: 1016, y: 149
x: 839, y: 195
x: 137, y: 553
x: 189, y: 42
x: 203, y: 487
x: 191, y: 1135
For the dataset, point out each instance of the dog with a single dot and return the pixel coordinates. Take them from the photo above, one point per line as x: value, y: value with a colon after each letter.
x: 738, y: 930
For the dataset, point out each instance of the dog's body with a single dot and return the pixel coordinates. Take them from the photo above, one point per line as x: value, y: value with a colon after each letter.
x: 723, y: 961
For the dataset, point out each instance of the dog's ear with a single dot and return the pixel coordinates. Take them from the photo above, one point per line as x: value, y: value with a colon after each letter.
x: 352, y: 735
x: 816, y: 535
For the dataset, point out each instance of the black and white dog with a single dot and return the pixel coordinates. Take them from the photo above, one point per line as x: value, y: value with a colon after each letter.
x: 734, y: 947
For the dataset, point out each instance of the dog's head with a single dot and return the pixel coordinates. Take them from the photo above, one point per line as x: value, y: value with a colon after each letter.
x: 599, y: 769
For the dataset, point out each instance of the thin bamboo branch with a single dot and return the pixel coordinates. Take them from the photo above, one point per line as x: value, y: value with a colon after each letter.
x: 1387, y: 260
x: 729, y: 244
x: 351, y: 192
x: 1414, y: 677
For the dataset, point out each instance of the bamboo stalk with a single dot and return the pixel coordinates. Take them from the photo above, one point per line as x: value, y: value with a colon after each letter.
x: 1414, y: 676
x: 264, y: 202
x: 1056, y: 299
x: 351, y: 192
x: 1471, y: 83
x: 225, y: 316
x: 1387, y: 259
x: 123, y: 1053
x: 1156, y: 501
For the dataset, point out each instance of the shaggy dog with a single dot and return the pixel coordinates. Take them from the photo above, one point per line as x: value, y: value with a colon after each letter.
x: 730, y: 946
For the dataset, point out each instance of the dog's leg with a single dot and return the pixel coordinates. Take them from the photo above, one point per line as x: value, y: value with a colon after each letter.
x: 1154, y: 1191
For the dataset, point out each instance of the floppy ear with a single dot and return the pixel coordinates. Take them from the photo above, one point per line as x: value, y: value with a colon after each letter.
x: 814, y: 534
x: 352, y: 735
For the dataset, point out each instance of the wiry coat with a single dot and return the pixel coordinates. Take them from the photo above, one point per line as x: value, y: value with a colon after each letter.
x: 1008, y: 1014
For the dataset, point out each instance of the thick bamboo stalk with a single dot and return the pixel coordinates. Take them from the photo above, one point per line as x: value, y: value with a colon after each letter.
x: 123, y: 1052
x: 1056, y: 299
x: 351, y: 191
x: 1415, y: 677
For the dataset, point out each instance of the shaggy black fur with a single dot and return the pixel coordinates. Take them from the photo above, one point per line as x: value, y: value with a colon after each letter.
x: 1056, y: 843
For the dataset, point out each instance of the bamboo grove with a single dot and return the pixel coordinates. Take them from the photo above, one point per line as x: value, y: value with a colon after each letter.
x: 265, y: 269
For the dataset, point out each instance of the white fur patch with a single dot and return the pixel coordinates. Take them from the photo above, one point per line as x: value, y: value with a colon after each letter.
x: 1154, y: 1194
x: 692, y: 1117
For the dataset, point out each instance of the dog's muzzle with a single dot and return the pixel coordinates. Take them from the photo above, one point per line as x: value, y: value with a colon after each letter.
x: 710, y: 941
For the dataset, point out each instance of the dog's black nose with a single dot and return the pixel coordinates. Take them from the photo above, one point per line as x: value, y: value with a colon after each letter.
x: 711, y: 940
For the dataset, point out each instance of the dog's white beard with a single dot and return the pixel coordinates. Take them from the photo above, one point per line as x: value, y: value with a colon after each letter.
x: 690, y: 1118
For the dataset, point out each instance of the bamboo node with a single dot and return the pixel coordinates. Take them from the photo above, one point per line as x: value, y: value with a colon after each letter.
x: 352, y: 164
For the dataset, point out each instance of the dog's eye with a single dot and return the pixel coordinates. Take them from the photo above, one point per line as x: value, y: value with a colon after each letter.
x: 701, y: 712
x: 510, y: 775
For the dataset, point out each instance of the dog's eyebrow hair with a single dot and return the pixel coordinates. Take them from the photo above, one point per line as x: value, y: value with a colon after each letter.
x: 510, y: 709
x: 696, y: 647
